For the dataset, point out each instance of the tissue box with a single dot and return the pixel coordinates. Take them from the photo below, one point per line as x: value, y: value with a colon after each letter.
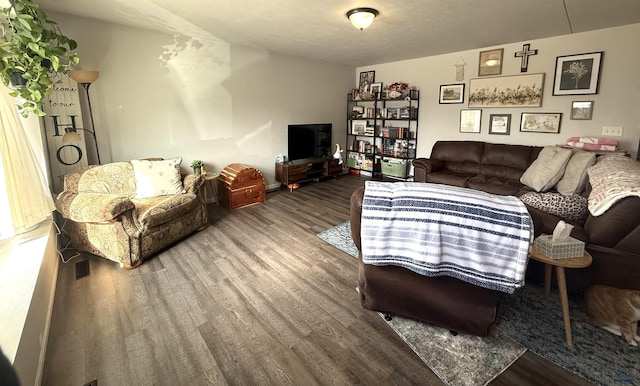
x: 558, y: 249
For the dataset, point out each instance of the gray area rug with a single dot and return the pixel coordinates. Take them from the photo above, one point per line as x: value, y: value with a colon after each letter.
x: 461, y: 359
x: 525, y: 317
x: 457, y: 360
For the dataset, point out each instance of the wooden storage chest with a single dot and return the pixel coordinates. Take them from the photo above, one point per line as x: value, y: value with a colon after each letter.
x: 240, y: 185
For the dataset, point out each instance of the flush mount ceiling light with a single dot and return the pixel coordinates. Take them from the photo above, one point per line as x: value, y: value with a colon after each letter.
x: 361, y: 18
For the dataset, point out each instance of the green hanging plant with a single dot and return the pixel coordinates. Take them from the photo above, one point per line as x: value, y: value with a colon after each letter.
x: 32, y: 52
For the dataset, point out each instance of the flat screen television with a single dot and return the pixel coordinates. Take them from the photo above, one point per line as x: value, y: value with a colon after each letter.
x: 309, y: 140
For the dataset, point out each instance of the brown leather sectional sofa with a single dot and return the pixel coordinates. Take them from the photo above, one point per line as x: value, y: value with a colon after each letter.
x: 613, y: 239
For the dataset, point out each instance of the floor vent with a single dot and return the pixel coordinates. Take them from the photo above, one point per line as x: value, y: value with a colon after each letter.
x: 82, y: 270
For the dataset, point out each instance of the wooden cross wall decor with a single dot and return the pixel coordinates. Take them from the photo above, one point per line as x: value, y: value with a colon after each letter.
x: 524, y: 54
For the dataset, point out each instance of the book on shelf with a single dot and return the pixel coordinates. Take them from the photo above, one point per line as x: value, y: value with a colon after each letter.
x: 396, y: 132
x: 362, y: 146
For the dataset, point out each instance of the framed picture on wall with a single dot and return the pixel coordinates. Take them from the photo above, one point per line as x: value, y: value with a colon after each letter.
x: 499, y: 124
x: 452, y: 93
x: 507, y: 91
x: 490, y: 62
x: 581, y: 110
x: 470, y: 120
x: 366, y: 79
x: 540, y: 122
x: 577, y: 74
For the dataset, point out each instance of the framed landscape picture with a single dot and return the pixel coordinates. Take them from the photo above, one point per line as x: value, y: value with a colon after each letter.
x: 499, y: 124
x: 577, y: 74
x: 452, y: 93
x: 490, y: 62
x: 507, y: 91
x: 540, y: 122
x: 581, y: 110
x: 470, y: 120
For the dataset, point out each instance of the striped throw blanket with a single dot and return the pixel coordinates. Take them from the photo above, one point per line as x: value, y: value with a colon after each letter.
x: 437, y: 230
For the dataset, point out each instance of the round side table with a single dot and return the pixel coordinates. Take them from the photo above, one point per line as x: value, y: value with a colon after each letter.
x: 560, y: 264
x: 210, y: 184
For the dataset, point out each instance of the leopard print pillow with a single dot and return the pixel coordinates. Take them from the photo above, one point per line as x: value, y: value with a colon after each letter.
x: 572, y: 208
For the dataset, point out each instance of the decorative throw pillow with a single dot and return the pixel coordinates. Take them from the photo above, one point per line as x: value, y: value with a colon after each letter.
x: 547, y: 169
x: 575, y: 174
x: 571, y: 208
x: 157, y: 178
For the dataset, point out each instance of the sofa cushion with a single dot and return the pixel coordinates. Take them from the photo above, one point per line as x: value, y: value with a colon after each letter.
x: 547, y: 169
x: 575, y: 174
x: 449, y: 177
x: 495, y: 185
x: 112, y: 178
x: 572, y: 208
x: 157, y: 178
x: 158, y: 210
x: 93, y: 207
x: 508, y: 160
x: 458, y: 151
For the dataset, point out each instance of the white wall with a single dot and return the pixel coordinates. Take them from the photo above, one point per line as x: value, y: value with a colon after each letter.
x: 616, y: 104
x: 192, y: 96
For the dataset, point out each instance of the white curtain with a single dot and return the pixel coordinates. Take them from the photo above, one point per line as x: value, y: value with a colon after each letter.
x: 29, y: 197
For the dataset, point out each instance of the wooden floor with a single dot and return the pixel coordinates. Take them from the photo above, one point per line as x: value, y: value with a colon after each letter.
x: 254, y: 299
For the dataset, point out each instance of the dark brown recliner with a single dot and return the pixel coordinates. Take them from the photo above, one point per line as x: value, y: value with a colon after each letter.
x: 442, y: 300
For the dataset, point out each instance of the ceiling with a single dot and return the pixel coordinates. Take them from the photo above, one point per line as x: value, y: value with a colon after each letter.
x: 319, y: 29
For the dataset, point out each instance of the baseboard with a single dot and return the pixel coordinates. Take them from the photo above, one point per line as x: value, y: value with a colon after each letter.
x: 272, y: 187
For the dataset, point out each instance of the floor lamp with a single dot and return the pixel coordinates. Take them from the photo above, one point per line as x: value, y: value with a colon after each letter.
x: 85, y: 78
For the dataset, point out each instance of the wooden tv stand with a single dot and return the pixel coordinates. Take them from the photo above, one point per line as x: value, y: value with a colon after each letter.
x: 308, y: 169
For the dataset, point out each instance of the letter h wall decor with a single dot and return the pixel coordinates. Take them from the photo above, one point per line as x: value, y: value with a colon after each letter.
x: 63, y: 112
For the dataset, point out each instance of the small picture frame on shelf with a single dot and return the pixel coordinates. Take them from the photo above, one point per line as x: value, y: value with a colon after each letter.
x: 376, y: 89
x: 470, y: 120
x: 540, y: 122
x: 499, y: 124
x: 452, y: 93
x: 355, y: 94
x: 581, y: 110
x: 357, y: 112
x: 358, y: 127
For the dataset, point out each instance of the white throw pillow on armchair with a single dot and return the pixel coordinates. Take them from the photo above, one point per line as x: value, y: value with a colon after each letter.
x: 547, y: 169
x: 157, y: 178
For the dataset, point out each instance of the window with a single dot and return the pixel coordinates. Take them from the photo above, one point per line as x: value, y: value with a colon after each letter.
x: 6, y: 225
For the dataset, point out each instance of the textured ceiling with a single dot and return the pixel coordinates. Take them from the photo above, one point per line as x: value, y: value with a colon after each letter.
x: 319, y: 29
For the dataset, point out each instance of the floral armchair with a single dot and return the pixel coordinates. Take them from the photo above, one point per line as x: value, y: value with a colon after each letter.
x: 113, y: 211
